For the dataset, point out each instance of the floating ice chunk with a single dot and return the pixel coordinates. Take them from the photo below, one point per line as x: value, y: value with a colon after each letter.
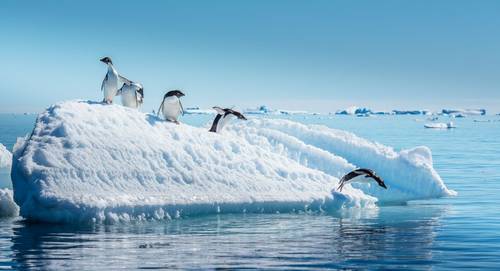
x: 88, y: 162
x: 7, y: 205
x: 440, y: 125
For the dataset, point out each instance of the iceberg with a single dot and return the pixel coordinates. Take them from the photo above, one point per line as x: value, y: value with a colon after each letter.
x: 5, y: 157
x: 440, y: 125
x: 198, y: 111
x: 354, y: 110
x: 265, y: 110
x: 412, y: 112
x: 8, y: 207
x: 470, y: 112
x: 91, y: 163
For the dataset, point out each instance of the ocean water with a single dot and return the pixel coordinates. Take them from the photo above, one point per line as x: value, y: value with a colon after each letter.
x: 440, y: 234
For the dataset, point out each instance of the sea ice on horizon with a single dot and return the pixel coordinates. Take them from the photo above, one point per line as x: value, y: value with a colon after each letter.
x: 88, y: 162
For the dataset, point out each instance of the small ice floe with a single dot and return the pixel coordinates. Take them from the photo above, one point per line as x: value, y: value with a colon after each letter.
x: 440, y: 125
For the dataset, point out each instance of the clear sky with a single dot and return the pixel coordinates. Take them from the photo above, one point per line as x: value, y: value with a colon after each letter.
x: 313, y: 55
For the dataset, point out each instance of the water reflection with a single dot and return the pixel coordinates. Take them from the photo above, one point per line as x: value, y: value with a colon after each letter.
x: 395, y: 237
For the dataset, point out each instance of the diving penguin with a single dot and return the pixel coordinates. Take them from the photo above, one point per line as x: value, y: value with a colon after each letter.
x: 171, y: 106
x: 368, y: 173
x: 222, y: 118
x: 112, y: 81
x: 132, y: 94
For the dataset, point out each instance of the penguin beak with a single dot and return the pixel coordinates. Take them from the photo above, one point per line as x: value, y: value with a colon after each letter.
x: 382, y: 184
x: 103, y: 59
x: 181, y: 94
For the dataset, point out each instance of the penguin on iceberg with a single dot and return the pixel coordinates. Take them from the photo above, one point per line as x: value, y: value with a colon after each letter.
x: 223, y: 117
x: 171, y: 106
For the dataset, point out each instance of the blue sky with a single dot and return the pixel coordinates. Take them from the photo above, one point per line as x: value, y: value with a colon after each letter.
x: 313, y: 55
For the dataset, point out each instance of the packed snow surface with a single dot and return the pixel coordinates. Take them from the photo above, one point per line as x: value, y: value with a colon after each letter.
x: 87, y: 162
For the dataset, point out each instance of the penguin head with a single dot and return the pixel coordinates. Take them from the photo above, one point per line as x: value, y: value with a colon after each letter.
x: 174, y: 92
x: 106, y: 60
x: 379, y: 180
x: 238, y: 115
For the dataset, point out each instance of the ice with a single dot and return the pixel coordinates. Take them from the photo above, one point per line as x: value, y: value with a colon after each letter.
x: 86, y: 162
x: 440, y: 125
x: 265, y: 110
x: 198, y: 111
x: 7, y: 205
x: 473, y: 112
x: 5, y: 157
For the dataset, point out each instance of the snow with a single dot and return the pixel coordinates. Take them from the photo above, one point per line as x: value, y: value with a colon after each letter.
x: 473, y: 112
x: 8, y: 207
x: 352, y: 110
x: 265, y: 110
x: 412, y: 112
x: 198, y: 111
x: 5, y: 157
x: 440, y: 125
x: 91, y: 163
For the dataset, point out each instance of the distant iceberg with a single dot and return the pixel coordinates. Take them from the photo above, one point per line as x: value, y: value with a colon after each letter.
x: 92, y: 163
x: 198, y: 111
x: 354, y: 110
x: 470, y: 112
x: 364, y: 111
x: 265, y: 110
x: 412, y: 112
x: 440, y: 125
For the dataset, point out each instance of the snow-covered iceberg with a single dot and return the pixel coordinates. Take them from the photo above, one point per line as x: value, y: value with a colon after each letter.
x: 5, y: 157
x: 353, y: 110
x: 7, y: 205
x: 199, y: 111
x: 87, y: 162
x: 471, y: 112
x: 440, y: 125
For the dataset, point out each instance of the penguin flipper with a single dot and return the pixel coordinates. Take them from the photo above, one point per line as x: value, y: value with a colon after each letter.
x: 104, y: 81
x: 182, y: 108
x: 124, y: 80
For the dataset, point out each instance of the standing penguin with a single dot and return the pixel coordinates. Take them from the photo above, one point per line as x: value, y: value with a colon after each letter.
x: 171, y: 106
x: 132, y: 94
x: 112, y: 81
x: 223, y: 116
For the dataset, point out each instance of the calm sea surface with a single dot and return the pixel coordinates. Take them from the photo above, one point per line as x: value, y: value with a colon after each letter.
x: 441, y: 234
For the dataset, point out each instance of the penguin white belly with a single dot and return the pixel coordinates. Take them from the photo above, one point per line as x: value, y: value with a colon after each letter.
x: 129, y: 98
x: 223, y: 122
x: 110, y: 86
x: 171, y: 108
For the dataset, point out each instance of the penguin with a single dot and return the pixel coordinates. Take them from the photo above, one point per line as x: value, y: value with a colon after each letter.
x: 112, y: 81
x: 223, y: 116
x: 368, y: 173
x: 171, y: 106
x: 132, y: 94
